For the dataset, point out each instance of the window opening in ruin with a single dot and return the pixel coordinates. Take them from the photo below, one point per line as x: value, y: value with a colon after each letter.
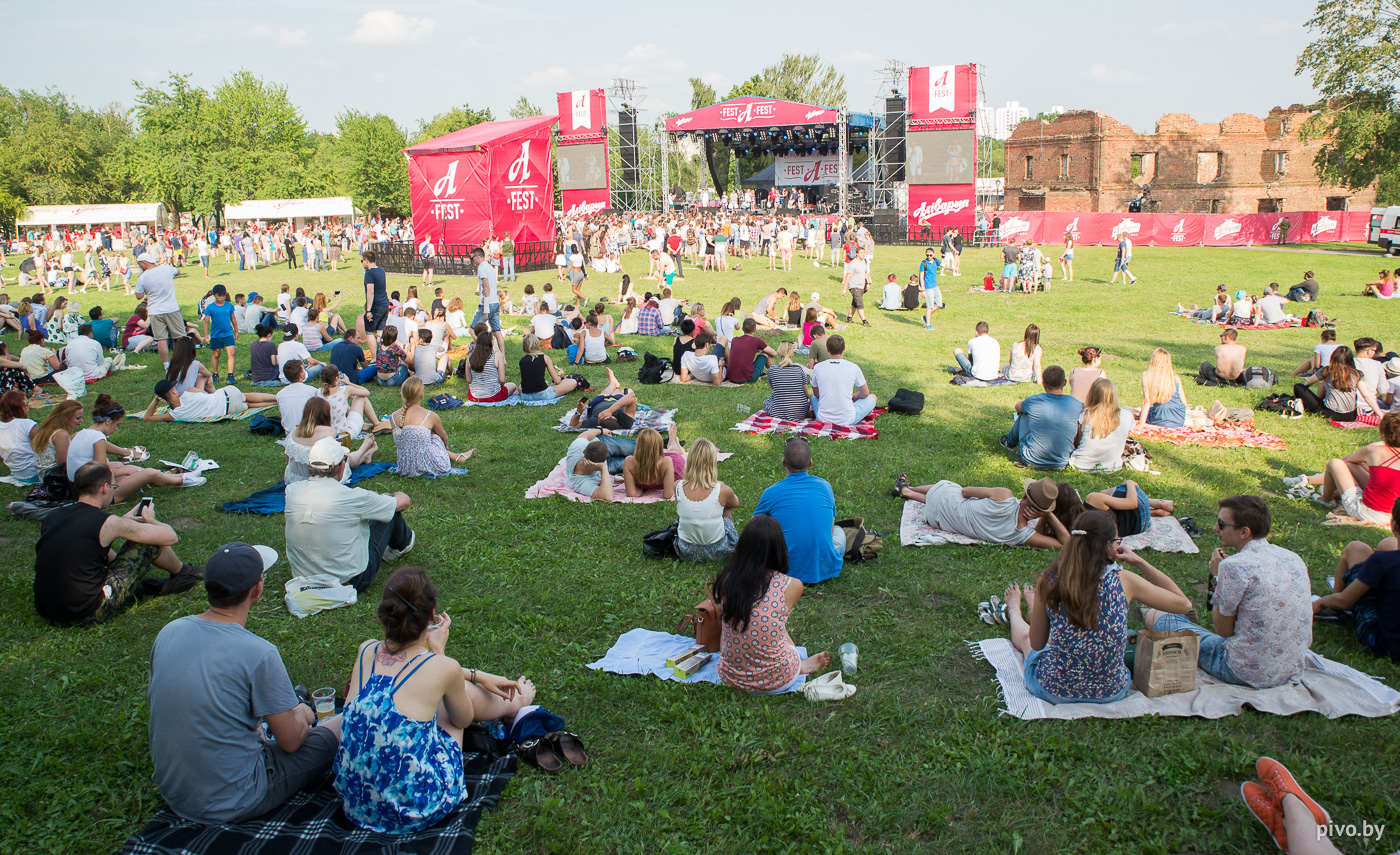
x: 1336, y: 203
x: 1280, y: 162
x: 1270, y: 206
x: 1030, y: 161
x: 1207, y: 166
x: 1064, y: 166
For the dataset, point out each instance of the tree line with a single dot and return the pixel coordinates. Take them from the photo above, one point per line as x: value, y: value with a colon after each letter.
x: 198, y: 151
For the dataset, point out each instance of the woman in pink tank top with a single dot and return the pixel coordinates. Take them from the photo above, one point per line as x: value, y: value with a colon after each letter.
x: 1366, y: 482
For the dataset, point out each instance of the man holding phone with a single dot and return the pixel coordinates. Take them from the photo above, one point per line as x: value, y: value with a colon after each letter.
x: 79, y: 578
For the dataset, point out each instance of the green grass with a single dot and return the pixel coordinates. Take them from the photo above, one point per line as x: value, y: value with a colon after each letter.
x: 918, y: 761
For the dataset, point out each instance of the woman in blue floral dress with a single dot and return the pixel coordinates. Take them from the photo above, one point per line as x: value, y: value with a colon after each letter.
x: 399, y: 765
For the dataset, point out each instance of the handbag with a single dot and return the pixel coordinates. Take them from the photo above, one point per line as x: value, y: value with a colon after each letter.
x: 862, y: 544
x: 661, y: 544
x: 705, y: 618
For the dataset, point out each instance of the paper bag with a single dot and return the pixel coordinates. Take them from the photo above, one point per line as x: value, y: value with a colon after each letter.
x: 1165, y: 662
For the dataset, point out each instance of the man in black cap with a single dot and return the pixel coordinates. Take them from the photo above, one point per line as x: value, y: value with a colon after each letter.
x: 213, y: 685
x: 79, y: 578
x: 190, y: 405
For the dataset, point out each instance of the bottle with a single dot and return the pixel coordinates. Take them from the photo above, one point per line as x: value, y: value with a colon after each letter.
x: 742, y: 408
x: 849, y: 655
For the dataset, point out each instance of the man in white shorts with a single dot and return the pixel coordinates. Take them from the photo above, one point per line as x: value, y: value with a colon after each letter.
x: 193, y: 406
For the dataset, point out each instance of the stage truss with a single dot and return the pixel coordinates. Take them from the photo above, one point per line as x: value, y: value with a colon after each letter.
x: 888, y: 154
x: 646, y: 189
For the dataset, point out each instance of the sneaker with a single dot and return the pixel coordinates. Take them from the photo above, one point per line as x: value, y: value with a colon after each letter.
x: 1266, y: 810
x: 865, y: 323
x: 928, y: 326
x: 193, y: 479
x: 396, y: 554
x: 1280, y: 783
x: 1294, y: 480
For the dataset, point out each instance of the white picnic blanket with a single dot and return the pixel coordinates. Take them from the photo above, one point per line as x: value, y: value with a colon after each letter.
x: 1166, y: 534
x: 1326, y: 687
x: 644, y: 651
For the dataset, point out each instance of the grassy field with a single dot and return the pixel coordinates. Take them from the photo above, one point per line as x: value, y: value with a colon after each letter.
x: 918, y: 761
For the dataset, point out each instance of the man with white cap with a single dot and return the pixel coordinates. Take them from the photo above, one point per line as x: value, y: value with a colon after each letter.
x: 213, y: 685
x: 341, y: 531
x: 157, y: 282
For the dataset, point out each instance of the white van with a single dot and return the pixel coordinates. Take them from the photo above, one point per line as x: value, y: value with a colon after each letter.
x: 1385, y: 229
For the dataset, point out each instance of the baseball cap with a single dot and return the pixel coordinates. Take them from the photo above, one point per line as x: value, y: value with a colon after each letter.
x: 252, y: 295
x: 146, y: 258
x: 327, y: 453
x: 1241, y: 294
x: 219, y: 289
x: 238, y: 566
x: 163, y: 387
x: 290, y: 332
x: 1043, y: 493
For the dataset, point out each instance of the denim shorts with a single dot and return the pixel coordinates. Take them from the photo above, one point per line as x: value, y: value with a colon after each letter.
x: 547, y: 395
x: 1212, y: 659
x: 1034, y: 687
x: 1143, y: 508
x: 1008, y: 271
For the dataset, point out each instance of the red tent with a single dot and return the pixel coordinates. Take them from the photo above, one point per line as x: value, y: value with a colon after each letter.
x: 492, y: 178
x: 749, y: 111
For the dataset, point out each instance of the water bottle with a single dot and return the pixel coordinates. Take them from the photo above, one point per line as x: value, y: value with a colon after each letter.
x: 496, y: 729
x: 849, y: 655
x: 742, y: 408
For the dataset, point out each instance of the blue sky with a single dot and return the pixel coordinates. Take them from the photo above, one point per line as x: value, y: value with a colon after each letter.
x: 414, y: 59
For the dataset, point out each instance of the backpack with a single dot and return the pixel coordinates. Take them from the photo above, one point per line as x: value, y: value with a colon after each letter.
x: 561, y: 339
x: 655, y: 369
x: 862, y: 544
x: 1317, y: 319
x: 1258, y: 377
x: 1285, y: 405
x: 906, y: 401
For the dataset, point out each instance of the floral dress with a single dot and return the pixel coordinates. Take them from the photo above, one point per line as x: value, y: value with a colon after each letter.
x: 762, y: 658
x: 420, y: 451
x: 342, y: 420
x: 394, y: 774
x: 1087, y: 663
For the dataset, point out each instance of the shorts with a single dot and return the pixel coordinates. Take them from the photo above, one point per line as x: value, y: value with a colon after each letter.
x: 1365, y: 616
x: 1008, y: 271
x: 501, y: 394
x: 491, y: 316
x: 1069, y: 255
x: 377, y: 319
x: 1120, y: 265
x: 428, y: 264
x: 546, y: 396
x: 236, y: 402
x: 222, y: 341
x: 1357, y: 509
x: 289, y: 773
x: 1143, y: 508
x: 204, y: 261
x: 167, y: 326
x: 1039, y: 691
x: 933, y: 297
x: 857, y: 298
x: 670, y: 278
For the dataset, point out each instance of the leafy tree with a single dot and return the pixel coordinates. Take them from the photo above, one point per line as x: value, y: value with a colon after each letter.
x: 262, y: 142
x: 173, y: 158
x: 702, y: 94
x: 522, y: 109
x: 445, y: 123
x: 803, y: 78
x: 1355, y: 65
x: 372, y: 166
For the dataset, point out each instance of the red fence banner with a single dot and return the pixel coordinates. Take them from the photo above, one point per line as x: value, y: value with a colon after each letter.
x: 583, y: 116
x: 942, y: 94
x: 748, y: 111
x: 1104, y: 229
x: 935, y: 207
x: 585, y: 203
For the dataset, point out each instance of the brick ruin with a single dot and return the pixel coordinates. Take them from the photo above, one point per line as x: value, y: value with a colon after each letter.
x: 1087, y: 161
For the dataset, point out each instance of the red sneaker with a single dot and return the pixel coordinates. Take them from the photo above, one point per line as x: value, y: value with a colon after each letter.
x: 1266, y: 810
x: 1280, y: 783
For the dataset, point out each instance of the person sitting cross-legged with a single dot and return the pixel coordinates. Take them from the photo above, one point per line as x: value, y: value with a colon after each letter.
x: 791, y: 397
x: 1077, y: 633
x: 982, y: 360
x: 805, y: 506
x: 79, y: 578
x: 704, y: 508
x: 228, y: 401
x: 700, y: 364
x: 1261, y: 610
x: 1228, y: 367
x: 1045, y: 424
x: 1366, y: 590
x: 840, y: 395
x: 213, y: 685
x: 339, y: 531
x: 748, y: 355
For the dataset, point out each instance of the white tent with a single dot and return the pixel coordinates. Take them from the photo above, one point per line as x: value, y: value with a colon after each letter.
x: 299, y: 210
x: 92, y: 215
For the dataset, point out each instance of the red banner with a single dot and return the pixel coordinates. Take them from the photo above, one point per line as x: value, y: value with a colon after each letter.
x: 936, y: 207
x: 583, y: 116
x: 943, y: 93
x: 748, y: 111
x: 500, y: 186
x: 585, y: 203
x: 1094, y: 229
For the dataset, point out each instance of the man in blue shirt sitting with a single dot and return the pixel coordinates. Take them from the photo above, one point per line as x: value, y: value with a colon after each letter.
x: 1045, y: 424
x: 349, y: 357
x: 805, y: 507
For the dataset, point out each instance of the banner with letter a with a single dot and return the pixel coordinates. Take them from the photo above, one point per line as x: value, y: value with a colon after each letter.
x: 585, y: 181
x: 936, y: 207
x: 942, y: 93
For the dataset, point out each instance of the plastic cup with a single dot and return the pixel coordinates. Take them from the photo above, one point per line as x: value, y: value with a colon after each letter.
x: 323, y: 700
x: 850, y: 656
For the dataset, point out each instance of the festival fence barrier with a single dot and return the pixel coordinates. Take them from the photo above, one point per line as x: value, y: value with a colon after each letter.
x: 1097, y: 229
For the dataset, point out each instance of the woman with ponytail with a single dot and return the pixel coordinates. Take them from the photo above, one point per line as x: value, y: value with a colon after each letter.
x: 1078, y: 629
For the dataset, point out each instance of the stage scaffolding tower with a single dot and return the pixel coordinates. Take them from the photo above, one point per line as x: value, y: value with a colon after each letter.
x: 635, y: 160
x: 984, y: 140
x: 887, y: 150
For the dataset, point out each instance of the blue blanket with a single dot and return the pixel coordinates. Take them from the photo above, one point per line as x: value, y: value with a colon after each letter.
x: 273, y: 500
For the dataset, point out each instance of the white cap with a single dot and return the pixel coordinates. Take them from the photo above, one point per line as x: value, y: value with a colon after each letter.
x: 327, y: 453
x: 147, y: 258
x: 816, y: 296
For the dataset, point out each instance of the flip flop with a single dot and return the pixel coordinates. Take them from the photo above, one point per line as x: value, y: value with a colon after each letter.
x: 900, y: 484
x: 984, y: 612
x: 567, y: 745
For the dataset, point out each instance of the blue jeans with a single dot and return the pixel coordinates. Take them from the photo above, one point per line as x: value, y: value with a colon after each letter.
x: 312, y: 372
x: 493, y: 314
x: 397, y: 380
x: 394, y: 534
x: 1039, y: 691
x: 864, y: 407
x: 619, y: 450
x: 760, y: 365
x: 963, y: 362
x: 1212, y: 659
x: 508, y: 267
x: 366, y: 374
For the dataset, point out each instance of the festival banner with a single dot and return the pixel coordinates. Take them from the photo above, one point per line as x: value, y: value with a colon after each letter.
x: 583, y: 116
x: 936, y: 207
x: 585, y: 203
x: 1087, y: 229
x: 801, y: 170
x: 1103, y: 229
x: 748, y: 111
x: 1178, y: 229
x: 942, y: 93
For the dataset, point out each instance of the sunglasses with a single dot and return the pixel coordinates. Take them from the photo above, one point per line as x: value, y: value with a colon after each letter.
x: 1219, y: 523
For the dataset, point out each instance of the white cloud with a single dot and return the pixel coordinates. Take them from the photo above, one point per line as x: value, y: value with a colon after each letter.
x: 387, y: 27
x: 1099, y: 71
x: 651, y: 55
x: 552, y: 76
x: 854, y: 56
x: 287, y: 37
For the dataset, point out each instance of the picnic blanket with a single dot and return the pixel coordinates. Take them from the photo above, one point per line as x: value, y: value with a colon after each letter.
x: 513, y: 400
x: 1326, y: 687
x: 762, y: 422
x: 644, y: 651
x: 1166, y: 534
x: 1368, y: 420
x: 973, y: 382
x: 1212, y: 437
x: 246, y: 414
x: 1339, y: 517
x: 1222, y: 324
x: 556, y: 483
x: 313, y: 823
x: 450, y: 472
x: 658, y: 420
x: 273, y: 500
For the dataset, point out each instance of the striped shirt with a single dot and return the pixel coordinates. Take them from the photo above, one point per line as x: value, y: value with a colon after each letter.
x: 789, y: 399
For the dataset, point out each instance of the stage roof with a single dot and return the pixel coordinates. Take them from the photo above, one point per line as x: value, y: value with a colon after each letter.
x: 749, y: 111
x: 287, y: 209
x: 766, y: 176
x: 479, y: 136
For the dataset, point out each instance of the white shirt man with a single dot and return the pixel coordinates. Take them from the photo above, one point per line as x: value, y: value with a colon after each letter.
x: 1271, y: 309
x: 840, y: 394
x: 289, y: 350
x: 984, y: 352
x: 84, y: 352
x: 291, y: 400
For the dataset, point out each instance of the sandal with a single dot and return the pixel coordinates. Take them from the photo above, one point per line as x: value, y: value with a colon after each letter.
x: 900, y: 485
x: 540, y: 754
x: 569, y: 745
x: 984, y: 612
x: 1188, y: 525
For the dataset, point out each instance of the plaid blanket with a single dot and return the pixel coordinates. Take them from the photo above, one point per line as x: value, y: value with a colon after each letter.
x: 761, y: 422
x: 312, y: 823
x: 1368, y: 420
x: 1211, y: 437
x: 208, y: 420
x: 658, y: 420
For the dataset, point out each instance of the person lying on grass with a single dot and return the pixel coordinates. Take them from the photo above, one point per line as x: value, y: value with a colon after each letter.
x: 652, y: 467
x: 1077, y: 630
x: 756, y: 596
x: 614, y: 408
x: 994, y: 514
x: 586, y: 466
x: 192, y: 405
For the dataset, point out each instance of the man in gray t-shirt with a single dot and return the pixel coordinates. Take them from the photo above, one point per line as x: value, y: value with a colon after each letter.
x: 213, y: 685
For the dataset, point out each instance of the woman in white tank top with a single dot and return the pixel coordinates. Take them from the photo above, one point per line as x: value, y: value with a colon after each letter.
x: 704, y: 504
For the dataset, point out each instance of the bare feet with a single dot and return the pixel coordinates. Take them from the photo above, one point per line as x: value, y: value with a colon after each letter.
x: 1168, y: 506
x: 612, y: 379
x: 1012, y: 596
x: 813, y: 664
x: 1029, y: 592
x: 527, y: 692
x: 463, y: 458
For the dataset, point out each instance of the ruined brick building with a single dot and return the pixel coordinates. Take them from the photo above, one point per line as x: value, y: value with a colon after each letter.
x: 1086, y: 161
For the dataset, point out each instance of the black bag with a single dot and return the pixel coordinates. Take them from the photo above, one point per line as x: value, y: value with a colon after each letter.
x: 1277, y: 403
x: 561, y: 340
x: 906, y: 401
x: 56, y: 484
x: 654, y: 369
x: 1258, y: 377
x: 661, y: 544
